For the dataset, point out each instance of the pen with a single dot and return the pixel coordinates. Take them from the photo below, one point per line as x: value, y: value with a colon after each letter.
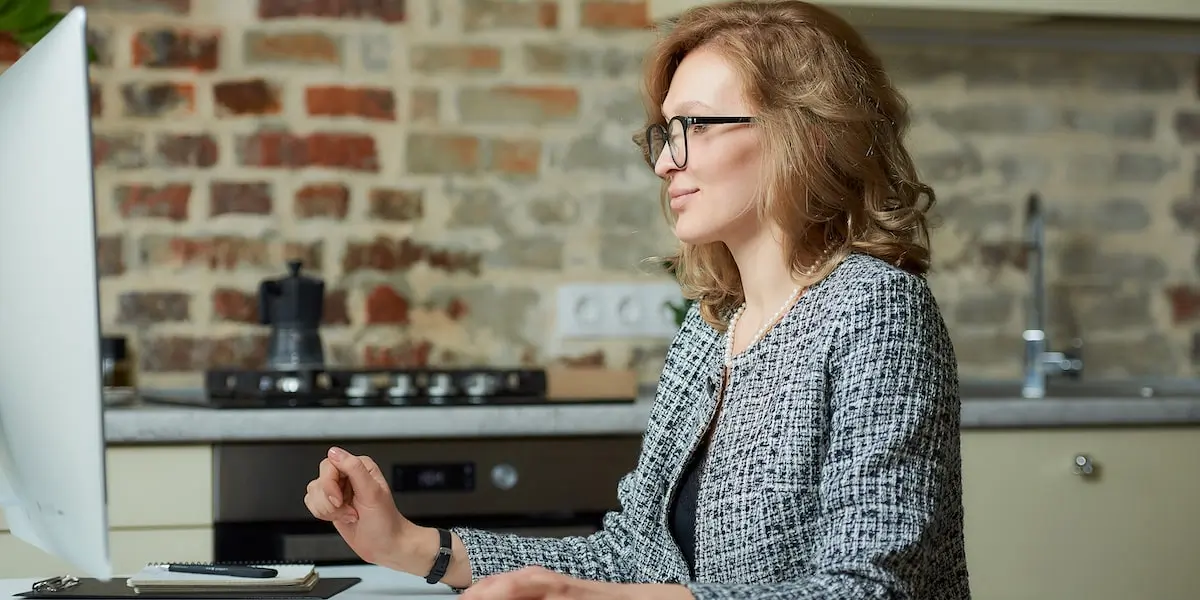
x: 228, y: 570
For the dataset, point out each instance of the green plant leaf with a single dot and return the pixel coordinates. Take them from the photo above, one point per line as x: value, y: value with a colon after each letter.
x: 23, y: 14
x: 7, y: 6
x: 34, y: 34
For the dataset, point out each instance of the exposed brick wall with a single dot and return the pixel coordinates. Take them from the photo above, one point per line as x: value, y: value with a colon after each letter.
x: 443, y: 165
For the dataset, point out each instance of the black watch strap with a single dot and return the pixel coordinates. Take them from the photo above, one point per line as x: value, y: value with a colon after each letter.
x: 442, y: 560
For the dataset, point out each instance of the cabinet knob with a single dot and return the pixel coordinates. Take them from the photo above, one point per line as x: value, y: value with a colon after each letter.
x: 504, y: 476
x: 1083, y: 465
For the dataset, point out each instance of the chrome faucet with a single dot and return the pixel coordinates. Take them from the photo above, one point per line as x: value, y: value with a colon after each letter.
x: 1039, y: 360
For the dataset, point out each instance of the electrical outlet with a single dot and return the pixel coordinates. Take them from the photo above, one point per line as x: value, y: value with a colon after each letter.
x: 617, y: 310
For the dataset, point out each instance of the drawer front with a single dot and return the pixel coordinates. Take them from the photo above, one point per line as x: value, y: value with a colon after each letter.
x: 159, y: 486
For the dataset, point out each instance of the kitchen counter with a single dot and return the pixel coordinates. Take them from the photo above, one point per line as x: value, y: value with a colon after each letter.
x: 158, y: 424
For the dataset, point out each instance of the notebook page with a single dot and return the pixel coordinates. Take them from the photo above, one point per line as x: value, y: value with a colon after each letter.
x: 154, y: 575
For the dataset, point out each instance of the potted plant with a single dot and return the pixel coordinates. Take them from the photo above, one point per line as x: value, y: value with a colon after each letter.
x: 679, y: 309
x: 26, y: 22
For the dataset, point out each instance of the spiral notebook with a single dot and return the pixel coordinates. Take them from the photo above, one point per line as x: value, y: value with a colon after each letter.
x: 153, y: 582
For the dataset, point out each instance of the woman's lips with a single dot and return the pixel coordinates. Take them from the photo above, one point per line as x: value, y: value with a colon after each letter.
x: 678, y: 199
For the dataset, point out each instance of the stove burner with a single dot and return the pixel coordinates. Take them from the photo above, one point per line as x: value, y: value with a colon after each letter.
x: 236, y: 388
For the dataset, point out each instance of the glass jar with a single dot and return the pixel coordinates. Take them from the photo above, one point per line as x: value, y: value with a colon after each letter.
x: 115, y: 368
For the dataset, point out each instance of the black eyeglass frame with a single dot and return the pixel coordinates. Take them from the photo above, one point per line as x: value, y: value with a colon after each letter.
x: 687, y: 122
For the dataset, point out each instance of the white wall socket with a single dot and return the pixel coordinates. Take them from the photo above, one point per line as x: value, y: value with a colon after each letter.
x: 617, y: 310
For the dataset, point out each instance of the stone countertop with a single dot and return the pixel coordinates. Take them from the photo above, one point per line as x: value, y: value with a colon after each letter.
x: 149, y: 424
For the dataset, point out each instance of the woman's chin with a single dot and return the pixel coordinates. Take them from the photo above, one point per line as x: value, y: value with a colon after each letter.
x: 693, y: 233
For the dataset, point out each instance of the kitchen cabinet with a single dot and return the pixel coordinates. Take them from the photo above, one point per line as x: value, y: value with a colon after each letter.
x: 1124, y: 525
x: 925, y: 13
x: 1037, y: 526
x: 159, y: 507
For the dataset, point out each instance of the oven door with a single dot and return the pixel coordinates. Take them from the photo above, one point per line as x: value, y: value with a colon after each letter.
x: 543, y: 487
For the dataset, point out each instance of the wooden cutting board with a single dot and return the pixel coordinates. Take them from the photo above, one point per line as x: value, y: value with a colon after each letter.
x: 591, y: 383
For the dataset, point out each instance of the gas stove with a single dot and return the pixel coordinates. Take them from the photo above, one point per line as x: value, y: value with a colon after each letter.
x: 340, y: 388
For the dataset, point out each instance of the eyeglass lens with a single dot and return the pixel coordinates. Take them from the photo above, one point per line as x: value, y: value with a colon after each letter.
x: 675, y: 140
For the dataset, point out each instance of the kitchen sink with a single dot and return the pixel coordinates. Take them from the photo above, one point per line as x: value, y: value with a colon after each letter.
x: 1068, y: 389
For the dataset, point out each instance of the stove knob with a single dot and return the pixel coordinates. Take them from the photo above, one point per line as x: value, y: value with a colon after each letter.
x: 504, y: 476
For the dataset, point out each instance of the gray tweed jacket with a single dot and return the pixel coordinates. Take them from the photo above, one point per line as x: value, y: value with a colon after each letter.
x: 834, y: 470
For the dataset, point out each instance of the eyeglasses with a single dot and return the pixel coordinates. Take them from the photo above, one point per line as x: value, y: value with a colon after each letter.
x: 674, y: 136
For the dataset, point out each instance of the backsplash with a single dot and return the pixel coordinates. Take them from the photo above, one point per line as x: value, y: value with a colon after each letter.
x: 444, y: 165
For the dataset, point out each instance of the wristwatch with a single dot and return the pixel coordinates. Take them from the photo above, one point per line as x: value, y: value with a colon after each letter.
x: 442, y: 560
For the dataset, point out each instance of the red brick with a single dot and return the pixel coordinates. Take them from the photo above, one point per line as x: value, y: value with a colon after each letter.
x: 300, y: 48
x: 456, y: 309
x: 99, y: 41
x: 153, y: 307
x: 310, y: 254
x: 119, y: 151
x: 246, y: 97
x: 337, y: 309
x: 96, y: 99
x: 383, y: 254
x: 998, y: 255
x: 614, y: 15
x: 516, y: 157
x: 406, y: 355
x: 450, y: 58
x: 388, y: 11
x: 242, y: 307
x: 158, y: 99
x: 110, y: 255
x: 531, y: 105
x: 234, y: 305
x: 348, y: 151
x: 386, y: 305
x: 397, y: 205
x: 248, y: 198
x: 176, y: 49
x: 169, y: 7
x: 442, y: 153
x: 10, y: 50
x: 322, y: 200
x: 556, y: 101
x: 500, y: 14
x: 180, y: 354
x: 184, y: 150
x: 216, y: 253
x: 168, y: 201
x: 341, y: 101
x: 423, y: 106
x: 1185, y: 303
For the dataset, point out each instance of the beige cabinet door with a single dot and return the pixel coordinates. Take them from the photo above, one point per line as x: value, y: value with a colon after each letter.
x: 1125, y: 524
x: 159, y: 509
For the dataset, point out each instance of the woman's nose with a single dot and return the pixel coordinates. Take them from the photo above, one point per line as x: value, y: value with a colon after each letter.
x: 665, y: 164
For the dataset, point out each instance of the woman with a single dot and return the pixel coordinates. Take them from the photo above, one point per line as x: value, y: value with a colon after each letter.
x: 804, y: 441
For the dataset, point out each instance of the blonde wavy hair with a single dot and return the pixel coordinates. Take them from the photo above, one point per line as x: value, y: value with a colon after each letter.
x: 838, y: 177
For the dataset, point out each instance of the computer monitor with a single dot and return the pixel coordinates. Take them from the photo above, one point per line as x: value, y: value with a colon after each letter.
x: 51, y: 409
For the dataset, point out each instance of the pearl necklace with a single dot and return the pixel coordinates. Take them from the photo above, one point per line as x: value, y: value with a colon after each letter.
x: 774, y: 318
x: 761, y: 330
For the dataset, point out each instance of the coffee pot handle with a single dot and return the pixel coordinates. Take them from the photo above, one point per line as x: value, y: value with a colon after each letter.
x: 267, y: 290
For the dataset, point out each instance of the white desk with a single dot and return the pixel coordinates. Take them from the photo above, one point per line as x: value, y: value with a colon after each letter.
x: 377, y: 583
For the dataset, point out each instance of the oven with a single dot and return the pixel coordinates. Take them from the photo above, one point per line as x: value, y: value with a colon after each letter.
x: 539, y: 486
